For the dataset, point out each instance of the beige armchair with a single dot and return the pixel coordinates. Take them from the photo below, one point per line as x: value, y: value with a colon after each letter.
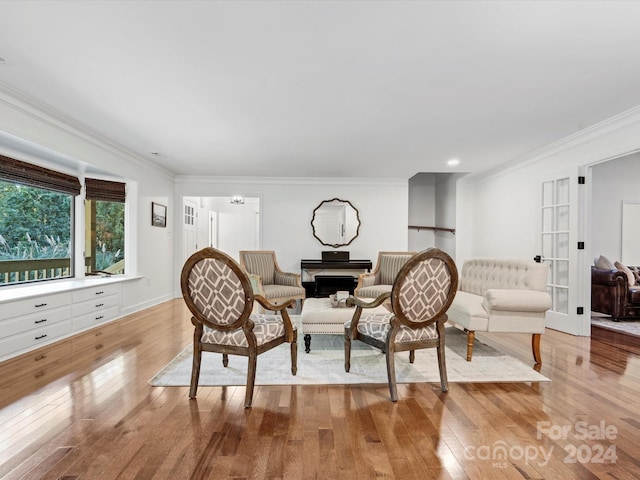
x: 374, y: 284
x: 268, y: 280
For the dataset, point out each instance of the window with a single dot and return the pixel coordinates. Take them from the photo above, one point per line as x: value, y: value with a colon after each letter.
x: 36, y: 222
x: 104, y: 226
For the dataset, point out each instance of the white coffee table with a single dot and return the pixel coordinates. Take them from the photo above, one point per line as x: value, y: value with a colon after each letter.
x: 318, y: 317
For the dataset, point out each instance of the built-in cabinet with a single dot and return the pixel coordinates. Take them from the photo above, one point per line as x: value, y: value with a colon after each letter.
x: 35, y: 321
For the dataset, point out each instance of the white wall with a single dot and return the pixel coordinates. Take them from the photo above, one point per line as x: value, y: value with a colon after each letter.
x: 445, y: 210
x: 432, y: 202
x: 498, y: 213
x: 612, y: 183
x: 287, y: 206
x: 34, y: 135
x: 422, y: 210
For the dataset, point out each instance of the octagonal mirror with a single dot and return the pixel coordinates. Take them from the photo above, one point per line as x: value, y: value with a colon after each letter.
x: 335, y: 222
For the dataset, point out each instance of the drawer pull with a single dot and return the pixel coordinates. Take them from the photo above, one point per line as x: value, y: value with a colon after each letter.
x: 100, y: 317
x: 99, y: 346
x: 100, y: 305
x: 41, y: 321
x: 40, y: 357
x: 39, y: 374
x: 41, y: 305
x: 40, y: 337
x: 99, y: 293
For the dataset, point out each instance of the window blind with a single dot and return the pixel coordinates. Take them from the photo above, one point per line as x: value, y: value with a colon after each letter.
x: 16, y: 171
x: 104, y: 190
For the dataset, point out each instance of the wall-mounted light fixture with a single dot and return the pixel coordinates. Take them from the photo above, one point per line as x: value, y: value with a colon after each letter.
x: 237, y: 200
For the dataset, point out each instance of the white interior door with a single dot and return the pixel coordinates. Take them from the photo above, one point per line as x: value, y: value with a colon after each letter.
x: 213, y: 229
x: 562, y: 210
x: 189, y: 228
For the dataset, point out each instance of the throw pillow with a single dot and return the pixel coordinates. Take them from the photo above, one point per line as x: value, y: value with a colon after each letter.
x: 630, y: 276
x: 604, y: 263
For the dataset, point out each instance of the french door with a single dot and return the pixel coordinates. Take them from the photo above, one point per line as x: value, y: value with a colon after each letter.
x: 562, y: 245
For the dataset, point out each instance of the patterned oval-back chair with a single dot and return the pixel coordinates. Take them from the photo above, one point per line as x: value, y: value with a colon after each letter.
x: 422, y: 292
x: 219, y: 295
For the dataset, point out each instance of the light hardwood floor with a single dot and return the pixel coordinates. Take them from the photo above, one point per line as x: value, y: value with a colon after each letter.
x: 89, y: 413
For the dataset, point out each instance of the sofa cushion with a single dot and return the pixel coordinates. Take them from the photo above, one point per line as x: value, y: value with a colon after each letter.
x: 467, y: 311
x: 604, y: 263
x: 631, y: 278
x: 516, y: 300
x: 634, y: 295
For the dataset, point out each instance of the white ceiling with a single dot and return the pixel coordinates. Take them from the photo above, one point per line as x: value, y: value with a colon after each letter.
x: 326, y: 88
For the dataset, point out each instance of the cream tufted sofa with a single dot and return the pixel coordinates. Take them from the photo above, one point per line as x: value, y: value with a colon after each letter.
x: 499, y: 295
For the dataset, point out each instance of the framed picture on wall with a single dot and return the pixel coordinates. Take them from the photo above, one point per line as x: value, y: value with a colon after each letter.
x: 158, y: 215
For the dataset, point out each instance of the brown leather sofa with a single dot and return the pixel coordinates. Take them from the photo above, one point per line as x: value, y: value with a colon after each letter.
x: 612, y: 295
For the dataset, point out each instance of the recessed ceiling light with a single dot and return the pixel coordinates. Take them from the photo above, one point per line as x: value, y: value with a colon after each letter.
x: 453, y: 162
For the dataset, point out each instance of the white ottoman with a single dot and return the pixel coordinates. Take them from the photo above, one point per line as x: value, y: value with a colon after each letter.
x: 319, y: 317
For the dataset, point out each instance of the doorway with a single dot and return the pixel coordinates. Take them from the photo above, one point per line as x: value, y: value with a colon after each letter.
x: 227, y: 223
x: 613, y: 187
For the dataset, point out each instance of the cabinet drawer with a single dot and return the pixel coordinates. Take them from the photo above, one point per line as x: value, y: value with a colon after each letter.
x: 33, y: 321
x: 95, y: 292
x: 95, y: 304
x: 33, y: 305
x: 94, y: 318
x: 34, y: 337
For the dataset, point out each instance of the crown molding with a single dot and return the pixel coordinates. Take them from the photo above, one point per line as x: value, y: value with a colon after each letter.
x: 611, y: 124
x: 199, y: 179
x: 43, y: 113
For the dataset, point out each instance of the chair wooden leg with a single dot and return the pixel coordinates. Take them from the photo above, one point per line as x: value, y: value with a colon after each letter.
x: 225, y: 360
x: 442, y: 365
x: 251, y: 379
x: 471, y: 336
x: 294, y: 356
x: 195, y: 369
x: 412, y: 356
x: 347, y: 350
x: 535, y: 347
x: 391, y: 374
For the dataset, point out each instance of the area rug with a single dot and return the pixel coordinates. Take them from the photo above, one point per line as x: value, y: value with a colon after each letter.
x: 628, y: 327
x: 325, y: 365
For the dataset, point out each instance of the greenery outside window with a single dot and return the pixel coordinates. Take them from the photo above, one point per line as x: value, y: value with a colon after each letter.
x: 36, y: 222
x: 104, y: 227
